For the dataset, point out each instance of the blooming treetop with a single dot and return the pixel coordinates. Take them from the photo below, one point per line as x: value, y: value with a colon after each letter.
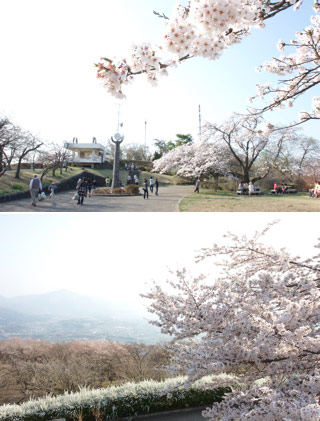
x: 204, y: 28
x: 196, y: 160
x: 259, y: 321
x: 302, y: 69
x: 254, y: 147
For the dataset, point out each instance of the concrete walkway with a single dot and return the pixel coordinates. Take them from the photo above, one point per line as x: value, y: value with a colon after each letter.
x: 193, y: 414
x: 167, y: 201
x: 179, y: 415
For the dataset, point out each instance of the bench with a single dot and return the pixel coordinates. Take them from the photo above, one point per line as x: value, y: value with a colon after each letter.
x: 290, y: 190
x: 256, y: 192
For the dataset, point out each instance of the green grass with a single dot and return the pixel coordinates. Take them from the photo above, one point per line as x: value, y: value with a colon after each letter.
x: 10, y: 184
x: 211, y: 201
x: 164, y: 179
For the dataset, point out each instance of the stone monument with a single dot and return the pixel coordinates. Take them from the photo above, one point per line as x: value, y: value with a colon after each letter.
x: 116, y: 162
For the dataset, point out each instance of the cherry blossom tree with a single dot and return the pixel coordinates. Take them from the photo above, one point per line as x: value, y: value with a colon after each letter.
x: 299, y: 159
x: 196, y: 160
x: 203, y: 28
x: 300, y: 71
x: 258, y: 321
x: 253, y: 146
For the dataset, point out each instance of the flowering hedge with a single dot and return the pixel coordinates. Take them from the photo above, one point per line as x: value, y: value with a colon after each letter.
x: 122, y: 401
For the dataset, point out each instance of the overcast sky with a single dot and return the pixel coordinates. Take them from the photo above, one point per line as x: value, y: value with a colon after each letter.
x: 117, y: 256
x: 48, y: 82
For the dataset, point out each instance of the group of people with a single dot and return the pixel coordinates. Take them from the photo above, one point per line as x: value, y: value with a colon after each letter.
x: 315, y: 192
x: 135, y: 179
x: 246, y: 188
x: 131, y: 167
x: 280, y: 188
x: 153, y: 183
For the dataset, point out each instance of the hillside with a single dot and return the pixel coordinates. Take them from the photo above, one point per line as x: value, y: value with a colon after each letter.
x: 64, y: 315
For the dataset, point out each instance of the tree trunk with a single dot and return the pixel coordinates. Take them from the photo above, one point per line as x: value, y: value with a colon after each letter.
x: 246, y: 178
x: 53, y: 172
x: 1, y: 160
x: 17, y: 175
x: 216, y: 181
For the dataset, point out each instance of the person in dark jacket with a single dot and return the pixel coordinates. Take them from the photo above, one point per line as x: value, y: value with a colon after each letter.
x: 157, y: 186
x: 89, y: 184
x: 197, y: 186
x: 145, y: 189
x: 82, y: 191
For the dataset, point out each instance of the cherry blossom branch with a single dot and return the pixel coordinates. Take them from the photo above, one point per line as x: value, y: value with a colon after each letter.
x: 203, y: 29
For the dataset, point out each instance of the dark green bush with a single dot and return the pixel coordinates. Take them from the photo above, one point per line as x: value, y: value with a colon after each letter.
x: 17, y: 187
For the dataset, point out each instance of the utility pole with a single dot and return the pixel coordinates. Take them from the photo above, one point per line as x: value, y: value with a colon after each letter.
x: 118, y: 119
x: 145, y: 135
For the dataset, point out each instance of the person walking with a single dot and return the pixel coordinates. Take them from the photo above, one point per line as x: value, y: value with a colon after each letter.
x: 157, y: 186
x: 145, y: 189
x: 108, y: 182
x: 89, y: 187
x: 52, y: 189
x: 151, y: 181
x: 197, y: 186
x: 94, y: 184
x: 35, y: 186
x: 78, y: 183
x: 82, y: 191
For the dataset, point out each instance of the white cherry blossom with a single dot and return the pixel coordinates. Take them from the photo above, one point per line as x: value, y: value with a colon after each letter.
x: 204, y: 28
x: 258, y: 321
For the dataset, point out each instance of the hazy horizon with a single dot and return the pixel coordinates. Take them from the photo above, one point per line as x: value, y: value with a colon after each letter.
x: 117, y: 257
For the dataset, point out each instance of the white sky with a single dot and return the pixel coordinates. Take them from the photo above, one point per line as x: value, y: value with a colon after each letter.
x: 48, y: 83
x: 116, y: 256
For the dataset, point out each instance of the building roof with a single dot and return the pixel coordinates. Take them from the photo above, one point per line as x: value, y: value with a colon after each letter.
x: 75, y: 146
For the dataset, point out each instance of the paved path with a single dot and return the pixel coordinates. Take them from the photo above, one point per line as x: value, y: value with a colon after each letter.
x: 167, y: 201
x: 178, y: 415
x: 184, y: 415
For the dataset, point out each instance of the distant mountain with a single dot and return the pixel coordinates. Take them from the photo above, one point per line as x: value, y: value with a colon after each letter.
x: 64, y: 315
x: 68, y: 303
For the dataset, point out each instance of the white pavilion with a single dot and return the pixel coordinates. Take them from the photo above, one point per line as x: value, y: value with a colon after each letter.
x: 86, y: 154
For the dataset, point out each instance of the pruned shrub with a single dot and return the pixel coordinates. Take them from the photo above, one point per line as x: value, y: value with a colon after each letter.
x: 128, y: 400
x: 101, y: 191
x: 118, y: 190
x: 132, y: 189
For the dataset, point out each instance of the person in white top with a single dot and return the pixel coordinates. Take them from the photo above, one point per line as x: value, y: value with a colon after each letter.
x: 151, y: 181
x: 251, y: 188
x: 35, y: 186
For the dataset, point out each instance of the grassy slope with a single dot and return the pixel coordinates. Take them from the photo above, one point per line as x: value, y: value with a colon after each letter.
x: 7, y: 181
x: 210, y: 201
x: 163, y: 178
